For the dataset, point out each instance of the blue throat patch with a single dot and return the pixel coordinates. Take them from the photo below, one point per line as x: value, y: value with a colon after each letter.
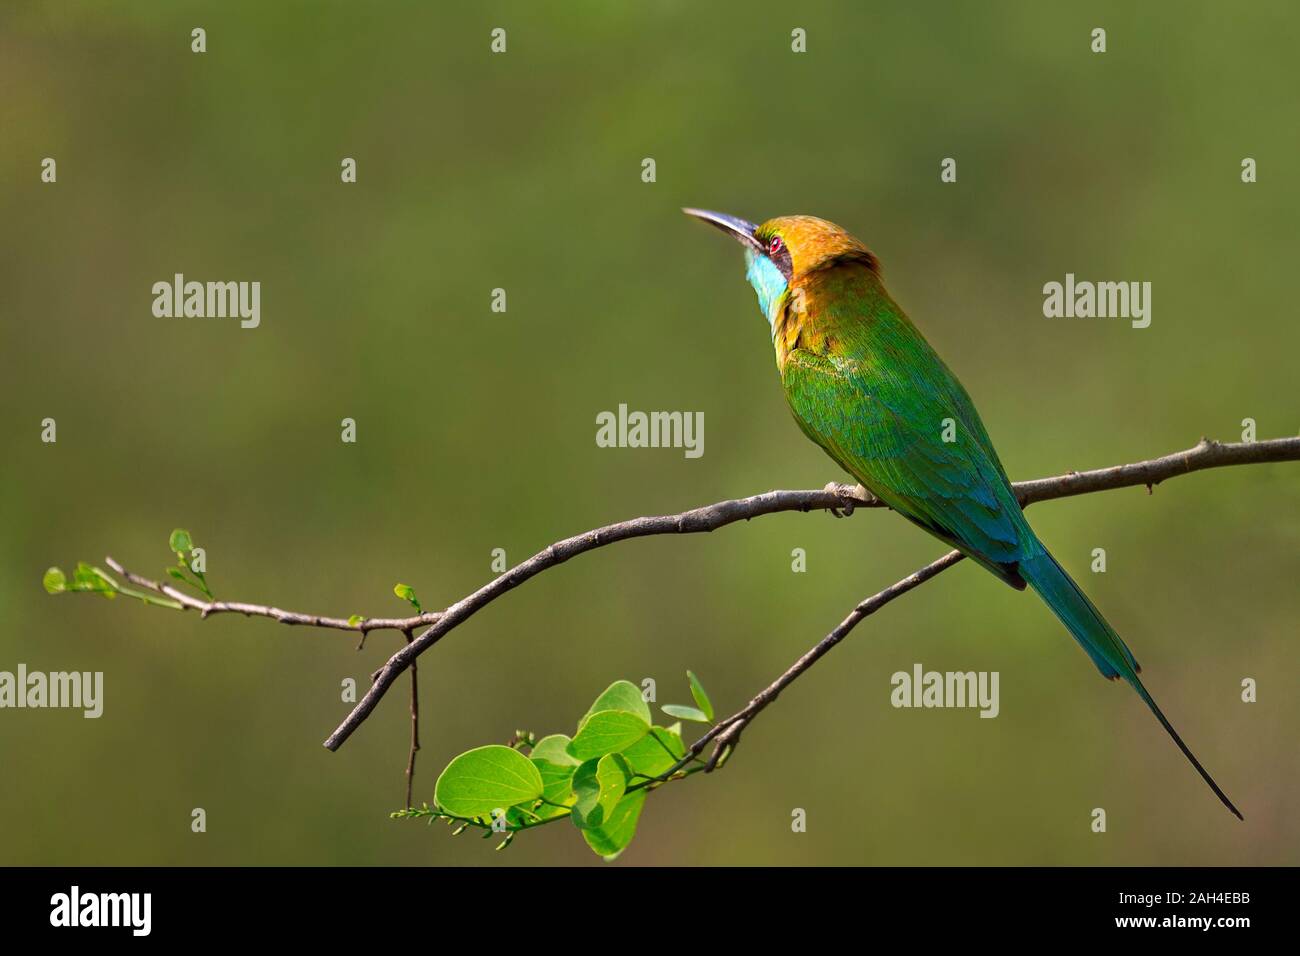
x: 767, y: 281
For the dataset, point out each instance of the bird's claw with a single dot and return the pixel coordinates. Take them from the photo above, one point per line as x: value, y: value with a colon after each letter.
x: 849, y: 498
x: 839, y: 511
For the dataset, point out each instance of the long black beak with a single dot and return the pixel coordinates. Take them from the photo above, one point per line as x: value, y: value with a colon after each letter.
x: 739, y: 229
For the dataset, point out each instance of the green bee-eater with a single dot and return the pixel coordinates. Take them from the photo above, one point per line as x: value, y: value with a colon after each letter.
x: 867, y: 387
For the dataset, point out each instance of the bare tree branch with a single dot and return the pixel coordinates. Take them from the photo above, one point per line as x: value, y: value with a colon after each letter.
x: 1205, y: 454
x: 834, y: 497
x: 726, y: 733
x: 837, y: 498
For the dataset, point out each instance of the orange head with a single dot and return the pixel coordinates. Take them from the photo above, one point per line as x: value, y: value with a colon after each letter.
x: 784, y: 250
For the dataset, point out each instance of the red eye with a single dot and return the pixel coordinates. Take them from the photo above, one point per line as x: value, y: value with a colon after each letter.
x: 775, y: 245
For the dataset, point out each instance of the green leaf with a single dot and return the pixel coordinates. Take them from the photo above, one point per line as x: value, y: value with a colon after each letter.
x: 599, y: 786
x: 621, y: 695
x: 180, y: 541
x: 686, y: 713
x: 54, y: 581
x: 556, y: 766
x: 586, y: 791
x: 486, y: 779
x: 655, y: 752
x: 606, y: 732
x: 612, y: 837
x: 701, y: 698
x: 356, y: 619
x: 86, y: 578
x: 407, y: 593
x: 553, y: 748
x: 178, y: 574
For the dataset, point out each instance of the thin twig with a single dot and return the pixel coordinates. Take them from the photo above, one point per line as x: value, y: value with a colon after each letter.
x: 206, y: 608
x: 1206, y: 454
x: 727, y: 732
x: 415, y: 724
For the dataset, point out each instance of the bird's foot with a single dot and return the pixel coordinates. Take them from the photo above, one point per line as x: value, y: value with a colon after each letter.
x: 836, y: 489
x: 849, y: 496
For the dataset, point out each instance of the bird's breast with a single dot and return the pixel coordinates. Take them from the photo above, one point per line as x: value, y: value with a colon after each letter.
x: 798, y: 325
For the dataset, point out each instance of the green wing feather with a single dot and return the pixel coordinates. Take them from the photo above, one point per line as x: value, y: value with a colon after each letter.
x: 877, y: 405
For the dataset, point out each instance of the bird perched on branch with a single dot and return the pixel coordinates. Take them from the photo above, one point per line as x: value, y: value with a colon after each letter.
x: 866, y: 386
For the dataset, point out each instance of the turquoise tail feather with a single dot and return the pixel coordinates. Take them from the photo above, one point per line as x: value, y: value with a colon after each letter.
x: 1081, y: 618
x: 1107, y: 650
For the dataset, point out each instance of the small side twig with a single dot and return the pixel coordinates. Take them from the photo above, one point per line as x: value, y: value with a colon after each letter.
x: 291, y: 618
x: 415, y: 723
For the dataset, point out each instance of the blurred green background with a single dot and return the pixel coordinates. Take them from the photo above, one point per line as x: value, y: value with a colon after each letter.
x: 476, y: 430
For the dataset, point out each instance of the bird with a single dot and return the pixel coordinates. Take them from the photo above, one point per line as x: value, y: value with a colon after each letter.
x: 864, y: 385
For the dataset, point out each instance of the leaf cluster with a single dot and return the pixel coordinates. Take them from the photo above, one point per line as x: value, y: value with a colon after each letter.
x: 599, y: 778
